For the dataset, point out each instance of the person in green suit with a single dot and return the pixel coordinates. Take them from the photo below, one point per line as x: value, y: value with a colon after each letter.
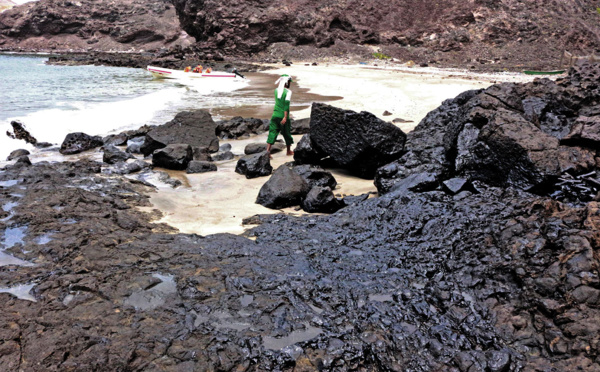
x: 280, y: 120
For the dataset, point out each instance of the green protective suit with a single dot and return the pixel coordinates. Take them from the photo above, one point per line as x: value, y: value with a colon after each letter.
x: 282, y: 105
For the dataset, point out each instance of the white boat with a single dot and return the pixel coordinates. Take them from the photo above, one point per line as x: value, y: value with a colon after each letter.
x: 166, y: 73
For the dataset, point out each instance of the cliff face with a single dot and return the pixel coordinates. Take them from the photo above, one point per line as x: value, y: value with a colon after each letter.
x: 483, y: 28
x: 92, y: 25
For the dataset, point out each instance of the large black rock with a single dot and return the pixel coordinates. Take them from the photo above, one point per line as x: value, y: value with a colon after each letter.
x: 75, y: 143
x: 321, y: 200
x: 284, y: 189
x: 195, y: 128
x: 175, y: 156
x: 255, y: 148
x: 197, y: 166
x: 17, y: 153
x: 521, y: 135
x: 240, y: 127
x: 358, y: 142
x: 314, y: 175
x: 255, y: 165
x: 113, y: 155
x: 306, y: 153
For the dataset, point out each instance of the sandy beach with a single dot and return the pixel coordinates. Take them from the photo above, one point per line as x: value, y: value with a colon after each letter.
x: 217, y: 202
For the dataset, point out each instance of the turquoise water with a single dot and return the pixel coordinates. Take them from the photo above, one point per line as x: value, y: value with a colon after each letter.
x: 53, y: 101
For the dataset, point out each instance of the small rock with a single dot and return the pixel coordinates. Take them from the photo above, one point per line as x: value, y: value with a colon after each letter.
x: 196, y: 166
x: 255, y: 165
x: 17, y: 153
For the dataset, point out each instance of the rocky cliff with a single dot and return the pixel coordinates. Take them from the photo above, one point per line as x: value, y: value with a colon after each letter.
x: 487, y: 31
x: 129, y: 25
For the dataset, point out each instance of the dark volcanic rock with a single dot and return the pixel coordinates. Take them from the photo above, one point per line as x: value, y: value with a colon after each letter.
x: 126, y: 167
x: 195, y: 128
x: 305, y: 153
x: 506, y: 135
x: 358, y: 142
x: 75, y: 143
x: 175, y: 156
x: 113, y: 155
x: 255, y: 165
x: 17, y: 153
x: 201, y: 154
x: 227, y: 155
x: 24, y: 160
x: 255, y: 148
x: 240, y: 127
x: 196, y: 166
x: 301, y: 126
x: 500, y: 280
x: 134, y: 145
x: 116, y: 139
x: 284, y: 189
x: 314, y: 175
x: 321, y: 200
x: 19, y: 132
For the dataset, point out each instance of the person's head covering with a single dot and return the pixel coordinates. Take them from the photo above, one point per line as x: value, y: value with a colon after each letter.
x: 282, y: 81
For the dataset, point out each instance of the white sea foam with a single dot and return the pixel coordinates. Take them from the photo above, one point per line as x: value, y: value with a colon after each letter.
x: 52, y: 125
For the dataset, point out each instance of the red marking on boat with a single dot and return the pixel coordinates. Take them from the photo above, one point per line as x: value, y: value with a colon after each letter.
x: 159, y: 71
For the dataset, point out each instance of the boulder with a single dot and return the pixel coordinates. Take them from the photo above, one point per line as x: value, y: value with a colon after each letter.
x: 255, y: 148
x: 255, y: 165
x: 196, y: 166
x: 201, y: 153
x: 173, y: 156
x: 124, y: 168
x: 116, y: 139
x: 23, y: 160
x: 75, y: 143
x: 43, y: 145
x: 305, y: 153
x: 358, y: 142
x: 240, y: 127
x: 19, y: 132
x: 135, y: 144
x: 227, y: 155
x: 520, y: 135
x: 321, y: 200
x: 301, y: 126
x: 225, y: 147
x: 113, y: 155
x: 195, y: 128
x: 17, y: 153
x: 285, y: 188
x: 314, y: 175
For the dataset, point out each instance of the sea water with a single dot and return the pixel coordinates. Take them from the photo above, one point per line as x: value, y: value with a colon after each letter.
x: 53, y: 101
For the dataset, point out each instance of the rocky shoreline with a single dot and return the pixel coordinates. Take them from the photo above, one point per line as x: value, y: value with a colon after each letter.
x: 448, y: 269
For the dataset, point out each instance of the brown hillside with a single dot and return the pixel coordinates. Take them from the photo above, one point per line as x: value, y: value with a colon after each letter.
x: 125, y: 25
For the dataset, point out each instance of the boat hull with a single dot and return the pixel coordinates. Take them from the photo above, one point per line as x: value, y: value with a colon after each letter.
x: 166, y: 73
x: 556, y: 72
